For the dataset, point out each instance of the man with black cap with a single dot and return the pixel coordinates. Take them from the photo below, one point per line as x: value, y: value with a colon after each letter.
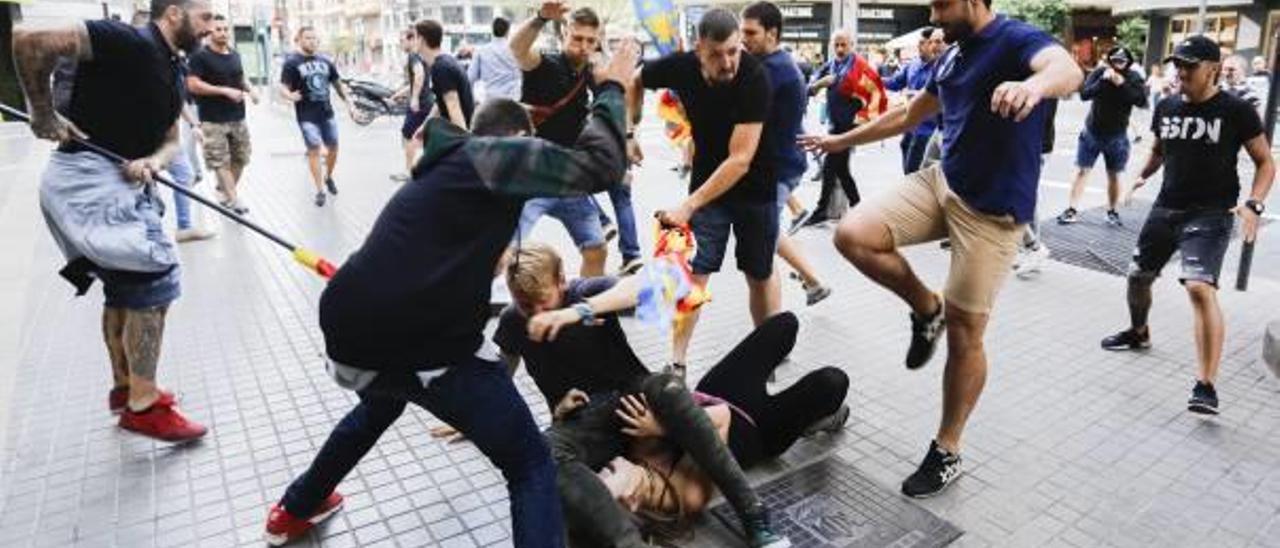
x: 1115, y: 88
x: 1198, y: 136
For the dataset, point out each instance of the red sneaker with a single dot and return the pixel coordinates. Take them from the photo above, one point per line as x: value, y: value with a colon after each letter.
x: 283, y: 527
x: 162, y: 421
x: 118, y: 398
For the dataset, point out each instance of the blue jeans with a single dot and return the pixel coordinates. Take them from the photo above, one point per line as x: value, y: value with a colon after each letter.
x: 316, y: 133
x: 628, y: 240
x: 478, y: 398
x: 184, y: 174
x: 577, y: 213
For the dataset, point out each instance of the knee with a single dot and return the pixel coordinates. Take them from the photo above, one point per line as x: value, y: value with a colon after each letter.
x: 854, y: 238
x: 662, y: 388
x: 1201, y: 293
x: 785, y: 323
x: 834, y: 381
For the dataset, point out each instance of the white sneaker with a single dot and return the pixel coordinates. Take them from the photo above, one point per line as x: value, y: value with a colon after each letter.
x: 1030, y: 262
x: 192, y: 234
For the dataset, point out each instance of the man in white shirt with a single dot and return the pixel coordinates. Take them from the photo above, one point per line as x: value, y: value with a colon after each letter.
x: 495, y: 66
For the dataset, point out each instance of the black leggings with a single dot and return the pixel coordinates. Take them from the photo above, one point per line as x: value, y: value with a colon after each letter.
x: 781, y: 418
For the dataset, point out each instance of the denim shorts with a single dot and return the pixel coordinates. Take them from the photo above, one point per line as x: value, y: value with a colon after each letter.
x: 785, y: 188
x: 412, y: 121
x: 1114, y: 150
x: 578, y: 215
x: 1201, y: 237
x: 755, y: 229
x: 316, y: 133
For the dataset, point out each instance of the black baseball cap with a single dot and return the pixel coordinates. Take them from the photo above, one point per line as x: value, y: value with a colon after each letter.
x: 1195, y: 49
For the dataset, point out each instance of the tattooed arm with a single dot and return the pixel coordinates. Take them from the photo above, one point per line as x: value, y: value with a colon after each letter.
x: 35, y: 53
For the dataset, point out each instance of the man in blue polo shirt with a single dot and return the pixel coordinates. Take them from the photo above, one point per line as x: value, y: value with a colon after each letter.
x: 911, y: 80
x: 989, y: 87
x: 761, y: 33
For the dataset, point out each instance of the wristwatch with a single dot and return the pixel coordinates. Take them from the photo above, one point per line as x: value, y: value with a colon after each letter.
x: 585, y: 313
x: 1256, y: 206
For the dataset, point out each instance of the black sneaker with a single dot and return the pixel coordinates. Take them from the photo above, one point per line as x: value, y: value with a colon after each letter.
x: 814, y: 220
x: 610, y: 231
x: 935, y: 473
x: 1068, y: 217
x: 760, y: 530
x: 1113, y: 218
x: 1204, y: 399
x: 332, y: 186
x: 319, y: 199
x: 926, y: 331
x: 1128, y: 339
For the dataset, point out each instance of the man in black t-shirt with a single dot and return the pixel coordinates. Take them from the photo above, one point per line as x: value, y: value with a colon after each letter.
x: 1114, y: 89
x: 304, y: 81
x: 1198, y: 137
x: 104, y: 217
x: 449, y: 82
x: 556, y: 86
x: 217, y: 81
x: 417, y: 89
x: 583, y: 371
x: 726, y: 96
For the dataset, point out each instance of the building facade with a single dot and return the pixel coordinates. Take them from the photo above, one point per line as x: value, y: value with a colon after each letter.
x: 1245, y: 27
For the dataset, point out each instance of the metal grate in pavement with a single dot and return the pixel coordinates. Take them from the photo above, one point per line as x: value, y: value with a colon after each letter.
x: 1092, y: 243
x: 829, y: 504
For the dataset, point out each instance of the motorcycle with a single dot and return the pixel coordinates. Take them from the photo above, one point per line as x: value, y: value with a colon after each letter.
x: 369, y: 100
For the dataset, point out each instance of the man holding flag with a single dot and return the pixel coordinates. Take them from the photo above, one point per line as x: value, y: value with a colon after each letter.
x: 852, y: 85
x: 727, y: 97
x: 989, y: 87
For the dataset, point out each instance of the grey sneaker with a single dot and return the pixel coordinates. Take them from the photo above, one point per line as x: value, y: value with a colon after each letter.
x: 332, y: 186
x: 677, y: 369
x: 815, y: 294
x: 320, y: 199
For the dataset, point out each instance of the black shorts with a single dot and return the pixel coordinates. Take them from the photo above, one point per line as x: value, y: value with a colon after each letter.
x: 1200, y: 236
x: 412, y: 121
x: 755, y: 229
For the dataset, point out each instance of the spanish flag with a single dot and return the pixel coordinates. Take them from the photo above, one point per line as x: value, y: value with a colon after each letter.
x: 863, y: 83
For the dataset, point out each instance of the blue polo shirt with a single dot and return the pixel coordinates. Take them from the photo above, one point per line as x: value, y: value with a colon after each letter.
x: 915, y: 77
x: 992, y: 163
x: 786, y: 118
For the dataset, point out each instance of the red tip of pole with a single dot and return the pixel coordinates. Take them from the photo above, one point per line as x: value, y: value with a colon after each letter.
x: 326, y: 269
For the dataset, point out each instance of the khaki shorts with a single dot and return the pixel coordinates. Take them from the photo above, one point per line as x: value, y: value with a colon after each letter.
x: 226, y: 144
x: 983, y: 247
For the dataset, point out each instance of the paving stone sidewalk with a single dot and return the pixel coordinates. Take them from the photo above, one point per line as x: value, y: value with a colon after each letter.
x: 1070, y: 446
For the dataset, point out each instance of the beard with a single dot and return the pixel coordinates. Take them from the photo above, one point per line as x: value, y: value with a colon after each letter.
x: 957, y: 31
x: 186, y: 38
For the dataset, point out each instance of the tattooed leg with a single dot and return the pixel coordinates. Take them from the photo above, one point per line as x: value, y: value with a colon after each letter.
x: 143, y: 332
x: 113, y: 334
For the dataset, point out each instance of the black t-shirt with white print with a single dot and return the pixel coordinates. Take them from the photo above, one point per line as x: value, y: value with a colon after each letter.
x: 1201, y: 143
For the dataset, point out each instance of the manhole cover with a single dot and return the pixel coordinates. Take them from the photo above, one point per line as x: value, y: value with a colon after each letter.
x: 829, y: 504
